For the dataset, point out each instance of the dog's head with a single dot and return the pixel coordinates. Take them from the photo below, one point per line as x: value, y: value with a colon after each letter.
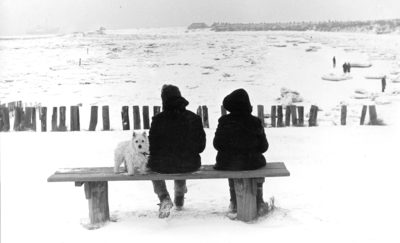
x: 140, y: 142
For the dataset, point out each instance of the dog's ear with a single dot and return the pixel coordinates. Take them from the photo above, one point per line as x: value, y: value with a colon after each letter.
x: 144, y: 134
x: 134, y: 134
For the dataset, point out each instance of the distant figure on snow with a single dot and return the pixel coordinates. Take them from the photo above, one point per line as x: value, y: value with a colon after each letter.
x: 383, y: 83
x: 344, y: 68
x: 334, y: 62
x: 348, y: 67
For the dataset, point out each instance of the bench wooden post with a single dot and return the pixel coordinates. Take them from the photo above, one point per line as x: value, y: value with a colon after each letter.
x: 246, y: 192
x: 97, y: 192
x: 136, y: 118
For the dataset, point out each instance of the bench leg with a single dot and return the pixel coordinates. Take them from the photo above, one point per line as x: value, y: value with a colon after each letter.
x: 97, y: 195
x: 246, y: 192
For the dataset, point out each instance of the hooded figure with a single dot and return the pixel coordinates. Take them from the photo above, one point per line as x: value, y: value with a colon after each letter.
x: 176, y: 135
x: 176, y: 140
x: 240, y: 141
x: 240, y: 138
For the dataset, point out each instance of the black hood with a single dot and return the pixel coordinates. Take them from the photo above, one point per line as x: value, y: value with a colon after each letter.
x: 238, y: 101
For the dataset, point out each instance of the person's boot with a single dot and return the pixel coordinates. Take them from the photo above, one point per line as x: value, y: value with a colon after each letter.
x: 165, y: 206
x: 262, y: 207
x: 179, y: 201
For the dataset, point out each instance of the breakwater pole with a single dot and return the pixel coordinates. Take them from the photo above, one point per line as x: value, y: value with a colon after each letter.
x: 343, y: 115
x: 125, y: 118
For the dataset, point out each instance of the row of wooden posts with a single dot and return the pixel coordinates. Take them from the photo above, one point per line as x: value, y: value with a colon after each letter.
x: 26, y: 119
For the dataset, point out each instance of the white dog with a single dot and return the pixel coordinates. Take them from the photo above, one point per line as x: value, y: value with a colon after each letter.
x: 132, y: 153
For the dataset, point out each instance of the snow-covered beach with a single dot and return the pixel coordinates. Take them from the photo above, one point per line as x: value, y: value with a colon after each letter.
x: 343, y: 179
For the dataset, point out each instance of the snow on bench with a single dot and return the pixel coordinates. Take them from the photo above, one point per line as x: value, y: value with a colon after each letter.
x: 95, y: 181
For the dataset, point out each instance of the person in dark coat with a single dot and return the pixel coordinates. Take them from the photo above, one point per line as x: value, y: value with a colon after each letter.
x: 348, y: 67
x: 334, y: 62
x: 383, y: 83
x: 176, y: 140
x: 345, y: 68
x: 240, y: 141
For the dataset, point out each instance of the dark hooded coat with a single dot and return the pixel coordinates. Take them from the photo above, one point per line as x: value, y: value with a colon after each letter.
x: 240, y: 138
x: 176, y: 137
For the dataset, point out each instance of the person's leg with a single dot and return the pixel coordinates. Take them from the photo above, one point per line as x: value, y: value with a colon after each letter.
x: 160, y: 189
x: 233, y: 204
x: 180, y: 190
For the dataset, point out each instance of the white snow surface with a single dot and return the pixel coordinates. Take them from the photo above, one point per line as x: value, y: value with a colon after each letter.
x: 344, y: 180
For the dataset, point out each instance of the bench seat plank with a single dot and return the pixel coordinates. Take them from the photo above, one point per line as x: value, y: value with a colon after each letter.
x: 275, y: 169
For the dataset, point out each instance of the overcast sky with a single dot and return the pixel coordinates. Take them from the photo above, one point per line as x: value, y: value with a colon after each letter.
x: 16, y: 16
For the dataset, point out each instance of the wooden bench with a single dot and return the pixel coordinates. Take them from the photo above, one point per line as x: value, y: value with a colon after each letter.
x: 95, y: 181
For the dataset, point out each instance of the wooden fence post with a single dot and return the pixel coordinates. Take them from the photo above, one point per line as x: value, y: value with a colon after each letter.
x: 301, y: 115
x: 136, y: 118
x: 315, y: 116
x: 156, y: 110
x: 125, y: 118
x: 312, y: 120
x: 27, y: 119
x: 5, y: 119
x: 54, y: 127
x: 280, y: 116
x: 93, y: 118
x: 260, y: 114
x: 205, y: 117
x: 146, y: 118
x: 363, y: 114
x: 106, y: 118
x: 33, y: 126
x: 1, y: 119
x: 75, y: 123
x: 18, y: 118
x: 200, y: 113
x: 287, y: 116
x: 43, y: 118
x: 294, y: 115
x: 372, y: 115
x: 223, y: 111
x: 273, y: 116
x: 62, y: 127
x: 343, y: 115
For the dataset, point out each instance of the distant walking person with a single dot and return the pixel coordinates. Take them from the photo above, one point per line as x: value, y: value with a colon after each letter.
x: 348, y: 67
x: 383, y: 83
x: 334, y: 62
x: 345, y: 68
